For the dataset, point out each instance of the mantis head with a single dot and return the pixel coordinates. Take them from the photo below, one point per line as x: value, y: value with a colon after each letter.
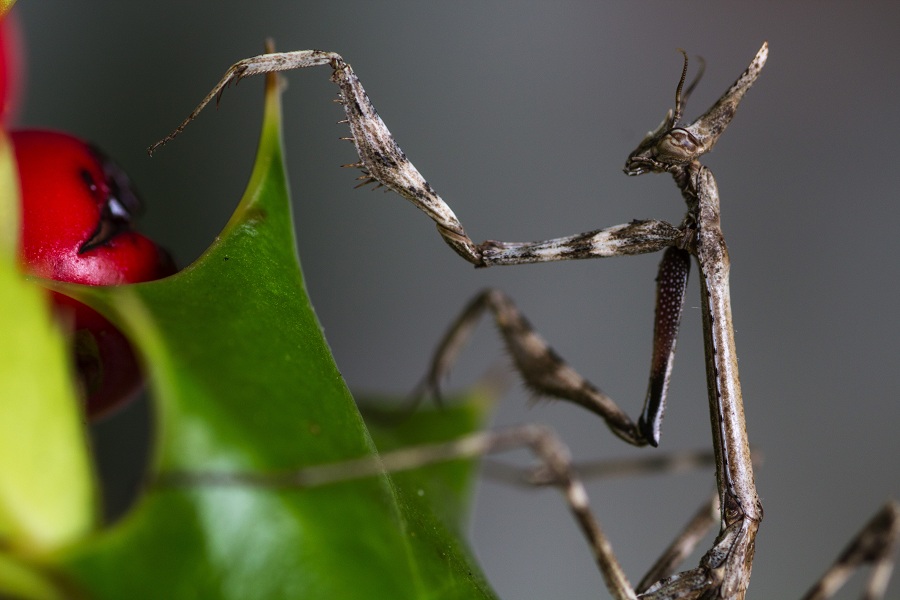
x: 669, y: 147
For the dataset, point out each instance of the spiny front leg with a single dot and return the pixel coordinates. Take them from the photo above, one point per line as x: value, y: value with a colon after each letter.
x: 637, y: 237
x: 546, y: 373
x: 380, y: 158
x: 383, y: 162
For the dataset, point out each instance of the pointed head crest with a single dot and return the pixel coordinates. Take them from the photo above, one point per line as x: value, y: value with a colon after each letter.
x: 671, y: 146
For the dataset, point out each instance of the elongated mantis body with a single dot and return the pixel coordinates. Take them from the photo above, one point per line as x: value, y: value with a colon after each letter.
x: 724, y: 571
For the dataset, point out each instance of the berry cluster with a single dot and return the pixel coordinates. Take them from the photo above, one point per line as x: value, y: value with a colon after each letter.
x: 77, y: 213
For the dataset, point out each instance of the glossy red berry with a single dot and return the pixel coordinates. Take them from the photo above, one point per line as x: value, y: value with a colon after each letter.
x: 77, y: 226
x: 77, y: 214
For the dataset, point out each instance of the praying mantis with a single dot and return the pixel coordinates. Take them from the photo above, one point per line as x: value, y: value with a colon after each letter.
x: 674, y: 148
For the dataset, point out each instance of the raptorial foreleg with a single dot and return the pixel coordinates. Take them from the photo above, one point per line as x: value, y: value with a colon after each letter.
x: 546, y: 373
x: 380, y: 158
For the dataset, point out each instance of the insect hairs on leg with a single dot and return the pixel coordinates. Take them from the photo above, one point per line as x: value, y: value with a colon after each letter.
x: 724, y: 571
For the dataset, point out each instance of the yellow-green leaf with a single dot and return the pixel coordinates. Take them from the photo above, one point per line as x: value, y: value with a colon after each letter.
x: 47, y: 495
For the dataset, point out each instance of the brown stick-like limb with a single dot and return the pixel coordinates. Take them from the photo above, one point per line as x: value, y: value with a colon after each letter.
x: 724, y: 571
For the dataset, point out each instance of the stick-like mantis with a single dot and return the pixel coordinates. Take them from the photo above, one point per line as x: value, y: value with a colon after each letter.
x: 724, y: 571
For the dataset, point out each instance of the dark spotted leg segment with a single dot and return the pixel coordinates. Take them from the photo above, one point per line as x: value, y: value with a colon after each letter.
x: 671, y: 284
x: 546, y: 373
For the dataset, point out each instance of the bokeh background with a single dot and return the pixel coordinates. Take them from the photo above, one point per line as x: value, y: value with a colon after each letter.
x: 521, y: 115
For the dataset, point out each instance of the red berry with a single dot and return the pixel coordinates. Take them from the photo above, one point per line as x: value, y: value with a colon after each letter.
x: 77, y: 226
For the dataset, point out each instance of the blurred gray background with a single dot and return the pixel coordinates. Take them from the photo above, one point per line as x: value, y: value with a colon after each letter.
x: 521, y: 115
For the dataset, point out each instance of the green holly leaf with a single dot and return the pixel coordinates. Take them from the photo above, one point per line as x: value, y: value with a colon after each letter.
x: 244, y: 383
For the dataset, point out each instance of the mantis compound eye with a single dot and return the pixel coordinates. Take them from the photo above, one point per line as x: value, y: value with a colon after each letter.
x: 677, y: 146
x: 664, y: 149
